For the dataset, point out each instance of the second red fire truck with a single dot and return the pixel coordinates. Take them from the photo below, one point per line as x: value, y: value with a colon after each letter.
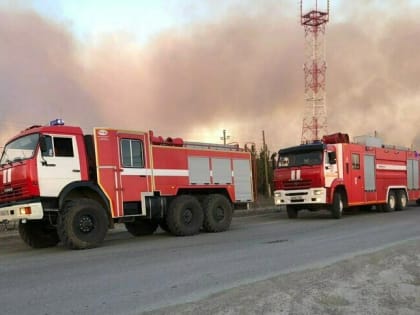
x: 63, y: 185
x: 336, y: 174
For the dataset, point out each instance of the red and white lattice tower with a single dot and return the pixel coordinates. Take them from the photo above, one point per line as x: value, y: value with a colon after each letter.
x: 315, y: 116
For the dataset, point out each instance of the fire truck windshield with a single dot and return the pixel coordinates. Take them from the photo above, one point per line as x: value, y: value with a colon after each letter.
x: 300, y: 158
x: 20, y: 149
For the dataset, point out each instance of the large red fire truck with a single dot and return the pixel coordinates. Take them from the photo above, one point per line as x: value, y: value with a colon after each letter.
x: 63, y: 185
x: 336, y: 174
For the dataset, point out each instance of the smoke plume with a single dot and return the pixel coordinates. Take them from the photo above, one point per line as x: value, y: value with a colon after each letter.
x: 240, y: 71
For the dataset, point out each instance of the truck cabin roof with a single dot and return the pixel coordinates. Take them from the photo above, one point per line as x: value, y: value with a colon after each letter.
x: 65, y: 130
x: 303, y: 148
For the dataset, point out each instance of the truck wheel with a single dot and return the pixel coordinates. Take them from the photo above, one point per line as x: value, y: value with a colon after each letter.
x: 82, y: 224
x: 184, y: 216
x: 217, y: 213
x: 38, y: 234
x: 401, y: 200
x: 337, y: 206
x: 141, y: 227
x: 392, y: 202
x: 292, y: 212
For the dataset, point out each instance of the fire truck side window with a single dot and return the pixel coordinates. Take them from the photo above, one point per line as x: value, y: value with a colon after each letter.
x: 332, y: 157
x: 355, y: 161
x: 47, y: 147
x: 63, y: 147
x: 132, y: 153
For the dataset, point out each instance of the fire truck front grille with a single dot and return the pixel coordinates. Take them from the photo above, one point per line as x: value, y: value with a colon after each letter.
x: 297, y: 184
x: 296, y: 194
x: 12, y: 192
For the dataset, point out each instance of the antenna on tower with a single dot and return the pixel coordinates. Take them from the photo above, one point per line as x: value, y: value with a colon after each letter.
x: 315, y: 116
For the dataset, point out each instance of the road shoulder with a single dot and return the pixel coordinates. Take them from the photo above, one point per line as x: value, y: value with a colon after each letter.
x: 386, y: 281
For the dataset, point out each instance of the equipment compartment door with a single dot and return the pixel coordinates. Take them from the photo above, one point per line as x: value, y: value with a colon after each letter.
x: 243, y: 180
x: 135, y: 175
x: 356, y: 194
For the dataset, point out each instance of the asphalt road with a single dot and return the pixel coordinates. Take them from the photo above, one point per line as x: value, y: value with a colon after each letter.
x: 130, y: 275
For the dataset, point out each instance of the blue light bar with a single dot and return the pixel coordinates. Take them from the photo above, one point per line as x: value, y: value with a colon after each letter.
x: 57, y: 122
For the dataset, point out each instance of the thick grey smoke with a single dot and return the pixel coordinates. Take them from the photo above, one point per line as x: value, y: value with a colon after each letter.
x: 40, y: 74
x: 374, y: 72
x: 241, y: 71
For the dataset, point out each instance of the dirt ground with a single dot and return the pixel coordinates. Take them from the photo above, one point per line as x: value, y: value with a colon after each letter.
x: 382, y: 282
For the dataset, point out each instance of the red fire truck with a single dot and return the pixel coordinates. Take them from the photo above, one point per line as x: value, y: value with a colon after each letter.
x: 336, y: 174
x: 63, y: 185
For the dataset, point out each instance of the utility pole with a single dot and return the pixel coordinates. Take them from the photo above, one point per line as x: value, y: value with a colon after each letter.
x: 225, y: 137
x: 267, y: 184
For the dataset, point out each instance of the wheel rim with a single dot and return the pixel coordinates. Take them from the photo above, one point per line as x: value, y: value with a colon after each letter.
x: 219, y: 214
x: 391, y: 202
x: 403, y: 201
x: 86, y: 224
x: 187, y: 216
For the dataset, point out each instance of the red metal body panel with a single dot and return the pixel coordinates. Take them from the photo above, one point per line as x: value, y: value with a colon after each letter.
x: 131, y: 184
x: 24, y: 178
x: 176, y: 158
x: 353, y: 177
x: 134, y: 175
x: 299, y: 177
x: 388, y: 169
x: 170, y: 158
x: 84, y: 169
x: 165, y: 170
x: 63, y: 130
x: 23, y: 182
x: 109, y: 168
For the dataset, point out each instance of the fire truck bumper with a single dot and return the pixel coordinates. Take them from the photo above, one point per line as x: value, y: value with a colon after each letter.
x: 29, y: 211
x: 303, y: 196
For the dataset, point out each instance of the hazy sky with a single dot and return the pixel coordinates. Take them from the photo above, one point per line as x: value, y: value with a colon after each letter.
x: 142, y: 19
x: 193, y: 68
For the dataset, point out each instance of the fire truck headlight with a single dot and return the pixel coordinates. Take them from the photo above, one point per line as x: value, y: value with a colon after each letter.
x: 277, y: 194
x: 318, y: 192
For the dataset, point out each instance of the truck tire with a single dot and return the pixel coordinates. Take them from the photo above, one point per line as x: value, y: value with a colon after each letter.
x: 141, y: 227
x: 184, y: 216
x: 82, y: 224
x: 391, y: 203
x: 401, y: 200
x: 38, y: 234
x: 292, y: 212
x: 217, y: 213
x: 337, y: 206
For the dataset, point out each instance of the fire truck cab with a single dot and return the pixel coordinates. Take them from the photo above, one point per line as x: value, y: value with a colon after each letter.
x: 63, y: 185
x: 336, y: 174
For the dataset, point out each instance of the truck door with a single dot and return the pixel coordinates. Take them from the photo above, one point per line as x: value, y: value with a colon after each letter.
x: 58, y: 164
x: 356, y: 195
x: 135, y: 171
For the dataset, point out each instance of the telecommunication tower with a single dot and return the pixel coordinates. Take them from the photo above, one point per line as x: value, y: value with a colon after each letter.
x: 315, y: 115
